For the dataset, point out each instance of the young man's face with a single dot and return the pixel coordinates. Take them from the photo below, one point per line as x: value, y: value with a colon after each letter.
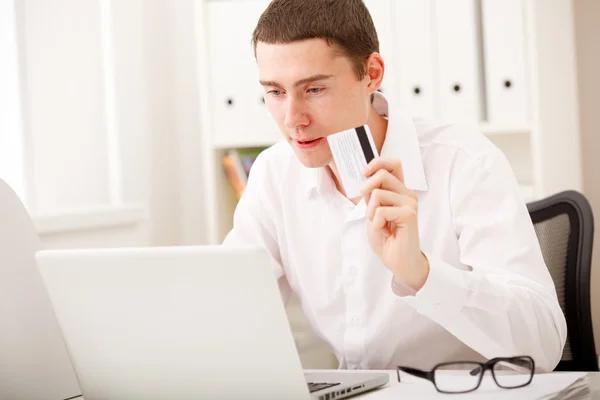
x: 311, y: 92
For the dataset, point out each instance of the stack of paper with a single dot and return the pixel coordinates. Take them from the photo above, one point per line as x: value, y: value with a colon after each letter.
x: 580, y: 389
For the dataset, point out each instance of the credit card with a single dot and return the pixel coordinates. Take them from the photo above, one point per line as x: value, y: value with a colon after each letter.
x: 352, y: 150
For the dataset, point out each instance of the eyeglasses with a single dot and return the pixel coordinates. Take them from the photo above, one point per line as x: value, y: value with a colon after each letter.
x: 508, y: 373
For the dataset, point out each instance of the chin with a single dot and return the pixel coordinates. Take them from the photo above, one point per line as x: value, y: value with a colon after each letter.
x: 317, y: 157
x: 313, y: 160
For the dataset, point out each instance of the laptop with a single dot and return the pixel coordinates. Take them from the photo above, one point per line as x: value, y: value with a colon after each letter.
x: 182, y: 322
x: 34, y: 363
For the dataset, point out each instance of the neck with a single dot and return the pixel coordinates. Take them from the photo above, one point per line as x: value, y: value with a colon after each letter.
x: 378, y: 127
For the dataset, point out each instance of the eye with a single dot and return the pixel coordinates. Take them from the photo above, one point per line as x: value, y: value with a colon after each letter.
x: 315, y: 90
x: 275, y: 92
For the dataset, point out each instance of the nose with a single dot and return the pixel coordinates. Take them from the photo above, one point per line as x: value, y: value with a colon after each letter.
x: 295, y: 115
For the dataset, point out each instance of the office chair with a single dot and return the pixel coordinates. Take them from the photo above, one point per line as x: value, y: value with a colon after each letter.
x: 564, y: 225
x: 34, y: 363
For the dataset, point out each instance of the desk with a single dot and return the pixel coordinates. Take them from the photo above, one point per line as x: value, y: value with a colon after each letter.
x: 593, y: 379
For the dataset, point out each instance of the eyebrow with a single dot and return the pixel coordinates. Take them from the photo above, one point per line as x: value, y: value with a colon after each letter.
x: 319, y: 77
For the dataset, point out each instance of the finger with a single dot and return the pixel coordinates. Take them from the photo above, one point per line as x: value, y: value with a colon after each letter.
x: 393, y: 166
x: 381, y: 197
x: 395, y: 215
x: 384, y: 180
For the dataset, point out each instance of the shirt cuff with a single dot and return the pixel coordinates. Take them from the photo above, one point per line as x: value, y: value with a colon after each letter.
x: 402, y: 289
x: 445, y: 291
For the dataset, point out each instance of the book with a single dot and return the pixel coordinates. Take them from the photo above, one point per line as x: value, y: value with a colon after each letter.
x: 237, y: 164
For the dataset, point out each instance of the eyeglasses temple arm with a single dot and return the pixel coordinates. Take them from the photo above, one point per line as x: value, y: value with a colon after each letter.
x: 415, y: 372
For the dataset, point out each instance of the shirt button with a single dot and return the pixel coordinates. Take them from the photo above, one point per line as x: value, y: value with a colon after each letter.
x: 355, y: 320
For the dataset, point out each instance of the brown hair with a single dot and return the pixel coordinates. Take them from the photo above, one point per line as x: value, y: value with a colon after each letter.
x: 345, y: 24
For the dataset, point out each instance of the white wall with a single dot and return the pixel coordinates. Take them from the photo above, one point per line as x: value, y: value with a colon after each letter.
x: 111, y: 122
x: 176, y: 199
x: 11, y: 142
x: 66, y: 100
x: 587, y: 34
x: 187, y: 123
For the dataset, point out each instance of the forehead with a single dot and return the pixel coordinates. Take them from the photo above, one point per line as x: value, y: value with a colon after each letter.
x: 298, y: 59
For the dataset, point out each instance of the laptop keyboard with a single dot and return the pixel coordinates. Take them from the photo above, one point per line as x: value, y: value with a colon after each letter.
x: 315, y: 386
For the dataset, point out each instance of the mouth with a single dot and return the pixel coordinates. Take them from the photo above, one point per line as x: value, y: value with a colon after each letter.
x: 306, y: 140
x: 307, y: 143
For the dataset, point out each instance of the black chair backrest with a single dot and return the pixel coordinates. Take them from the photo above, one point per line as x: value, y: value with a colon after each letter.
x: 564, y: 225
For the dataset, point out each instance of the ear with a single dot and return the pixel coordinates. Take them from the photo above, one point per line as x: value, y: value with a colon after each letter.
x: 375, y: 71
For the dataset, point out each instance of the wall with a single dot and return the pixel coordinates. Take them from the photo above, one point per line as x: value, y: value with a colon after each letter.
x: 11, y: 143
x: 177, y: 187
x: 111, y: 121
x: 587, y: 34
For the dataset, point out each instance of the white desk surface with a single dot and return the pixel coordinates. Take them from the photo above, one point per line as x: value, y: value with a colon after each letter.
x: 593, y: 379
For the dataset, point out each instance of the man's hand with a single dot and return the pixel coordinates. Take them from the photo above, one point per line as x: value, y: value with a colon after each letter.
x: 392, y: 224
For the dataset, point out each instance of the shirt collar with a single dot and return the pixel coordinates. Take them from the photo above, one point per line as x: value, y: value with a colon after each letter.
x: 401, y: 143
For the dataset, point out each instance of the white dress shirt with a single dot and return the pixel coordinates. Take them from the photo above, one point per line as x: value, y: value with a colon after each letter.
x: 488, y: 292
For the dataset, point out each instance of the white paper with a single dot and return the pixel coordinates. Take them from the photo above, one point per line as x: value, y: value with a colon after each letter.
x: 543, y: 386
x: 350, y: 158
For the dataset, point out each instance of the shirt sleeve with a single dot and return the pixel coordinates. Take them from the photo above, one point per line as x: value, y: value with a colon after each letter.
x: 253, y: 223
x: 501, y: 300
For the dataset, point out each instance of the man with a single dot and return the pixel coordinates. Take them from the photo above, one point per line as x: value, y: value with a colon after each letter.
x: 437, y: 260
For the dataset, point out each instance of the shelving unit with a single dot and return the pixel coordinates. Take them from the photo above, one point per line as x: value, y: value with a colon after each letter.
x: 539, y: 135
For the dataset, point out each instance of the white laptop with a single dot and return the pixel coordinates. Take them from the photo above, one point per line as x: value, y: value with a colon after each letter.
x: 183, y: 322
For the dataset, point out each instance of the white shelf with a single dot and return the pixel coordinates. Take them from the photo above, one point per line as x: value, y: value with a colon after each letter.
x: 243, y: 143
x: 504, y: 129
x: 485, y: 128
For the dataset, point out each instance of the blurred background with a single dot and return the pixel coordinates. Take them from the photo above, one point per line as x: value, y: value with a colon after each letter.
x: 135, y: 122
